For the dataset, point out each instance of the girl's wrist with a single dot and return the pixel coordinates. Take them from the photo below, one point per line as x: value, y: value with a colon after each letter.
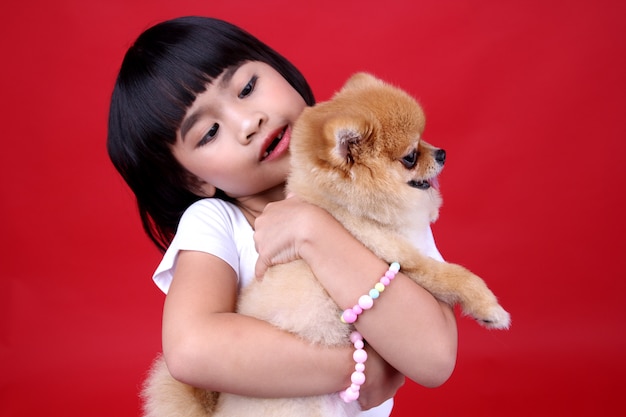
x: 316, y: 227
x: 328, y: 248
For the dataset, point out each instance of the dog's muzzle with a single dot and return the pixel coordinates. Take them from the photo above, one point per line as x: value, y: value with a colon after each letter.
x: 440, y: 158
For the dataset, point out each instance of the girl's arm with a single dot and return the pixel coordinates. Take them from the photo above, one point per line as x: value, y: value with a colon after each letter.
x: 206, y: 344
x: 408, y: 327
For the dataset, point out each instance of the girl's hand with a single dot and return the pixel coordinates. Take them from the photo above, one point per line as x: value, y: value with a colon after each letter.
x: 280, y: 230
x: 382, y: 381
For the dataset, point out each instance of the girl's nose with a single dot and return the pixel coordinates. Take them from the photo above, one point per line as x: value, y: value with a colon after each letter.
x: 251, y: 125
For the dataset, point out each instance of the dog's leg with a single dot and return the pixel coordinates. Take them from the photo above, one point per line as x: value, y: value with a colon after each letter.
x: 453, y: 284
x: 448, y: 282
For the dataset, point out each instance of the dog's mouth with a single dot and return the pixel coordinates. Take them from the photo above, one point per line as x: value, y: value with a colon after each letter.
x: 424, y: 184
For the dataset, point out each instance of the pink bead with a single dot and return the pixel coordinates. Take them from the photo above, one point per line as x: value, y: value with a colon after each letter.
x: 350, y: 395
x: 366, y: 302
x: 355, y: 336
x: 349, y: 316
x: 359, y: 356
x: 390, y: 274
x: 359, y: 367
x: 358, y: 378
x: 385, y: 281
x: 359, y: 344
x: 357, y: 309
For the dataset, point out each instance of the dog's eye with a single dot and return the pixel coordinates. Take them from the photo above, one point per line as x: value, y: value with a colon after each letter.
x: 410, y: 160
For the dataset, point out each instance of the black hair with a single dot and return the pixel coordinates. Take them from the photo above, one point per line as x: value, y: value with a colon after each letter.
x: 161, y: 74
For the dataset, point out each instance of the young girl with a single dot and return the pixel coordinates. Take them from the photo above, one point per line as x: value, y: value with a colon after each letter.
x: 200, y: 124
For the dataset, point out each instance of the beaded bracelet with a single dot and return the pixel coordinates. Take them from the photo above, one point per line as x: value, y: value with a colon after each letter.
x: 349, y: 316
x: 358, y: 376
x: 366, y: 301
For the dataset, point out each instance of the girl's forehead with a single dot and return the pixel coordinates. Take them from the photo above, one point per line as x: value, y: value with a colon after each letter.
x: 208, y: 97
x: 227, y: 75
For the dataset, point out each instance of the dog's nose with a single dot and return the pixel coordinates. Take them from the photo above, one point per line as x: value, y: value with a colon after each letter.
x: 440, y: 156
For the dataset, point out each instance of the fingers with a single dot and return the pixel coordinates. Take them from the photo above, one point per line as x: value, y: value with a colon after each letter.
x: 259, y: 269
x: 277, y: 231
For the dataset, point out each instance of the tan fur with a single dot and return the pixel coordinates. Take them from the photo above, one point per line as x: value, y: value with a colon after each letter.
x: 347, y: 157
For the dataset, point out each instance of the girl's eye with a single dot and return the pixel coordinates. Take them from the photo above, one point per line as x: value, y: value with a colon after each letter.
x: 249, y: 87
x: 210, y: 135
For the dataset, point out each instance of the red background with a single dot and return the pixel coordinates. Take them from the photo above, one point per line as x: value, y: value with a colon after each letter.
x: 528, y: 98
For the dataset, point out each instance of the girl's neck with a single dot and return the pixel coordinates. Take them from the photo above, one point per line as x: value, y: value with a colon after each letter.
x: 253, y: 206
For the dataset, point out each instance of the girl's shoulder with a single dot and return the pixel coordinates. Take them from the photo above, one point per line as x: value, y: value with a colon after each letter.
x: 211, y: 226
x: 214, y: 213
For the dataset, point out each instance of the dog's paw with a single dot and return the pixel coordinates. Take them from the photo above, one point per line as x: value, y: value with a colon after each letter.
x: 496, y: 318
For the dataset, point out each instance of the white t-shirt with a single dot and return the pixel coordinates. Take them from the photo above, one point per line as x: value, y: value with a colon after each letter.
x: 217, y: 227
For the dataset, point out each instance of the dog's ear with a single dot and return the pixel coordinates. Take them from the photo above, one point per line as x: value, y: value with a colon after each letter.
x: 346, y: 140
x: 348, y: 134
x: 361, y: 80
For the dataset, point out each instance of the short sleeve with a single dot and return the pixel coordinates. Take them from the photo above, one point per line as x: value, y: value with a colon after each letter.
x: 211, y: 226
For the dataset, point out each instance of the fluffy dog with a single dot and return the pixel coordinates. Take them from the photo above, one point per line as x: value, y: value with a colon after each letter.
x: 360, y: 156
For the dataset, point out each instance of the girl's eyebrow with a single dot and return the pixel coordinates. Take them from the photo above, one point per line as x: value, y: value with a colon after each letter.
x: 225, y: 79
x: 188, y: 123
x: 227, y: 75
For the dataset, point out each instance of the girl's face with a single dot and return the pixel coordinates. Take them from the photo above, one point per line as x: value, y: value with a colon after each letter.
x: 236, y: 134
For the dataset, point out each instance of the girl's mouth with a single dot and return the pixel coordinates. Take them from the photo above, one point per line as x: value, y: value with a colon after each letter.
x: 277, y: 145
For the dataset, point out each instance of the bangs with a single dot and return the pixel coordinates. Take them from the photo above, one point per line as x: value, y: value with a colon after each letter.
x: 166, y: 78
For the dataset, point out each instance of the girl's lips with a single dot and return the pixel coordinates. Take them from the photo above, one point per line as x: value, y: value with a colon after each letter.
x: 276, y: 144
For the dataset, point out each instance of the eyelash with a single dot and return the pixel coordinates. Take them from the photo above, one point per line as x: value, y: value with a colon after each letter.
x: 245, y: 92
x: 209, y: 135
x: 249, y: 88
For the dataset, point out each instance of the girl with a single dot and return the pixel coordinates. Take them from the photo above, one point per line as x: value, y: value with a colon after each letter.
x: 199, y: 127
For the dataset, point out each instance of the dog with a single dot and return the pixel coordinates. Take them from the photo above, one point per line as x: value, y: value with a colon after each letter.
x: 360, y: 156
